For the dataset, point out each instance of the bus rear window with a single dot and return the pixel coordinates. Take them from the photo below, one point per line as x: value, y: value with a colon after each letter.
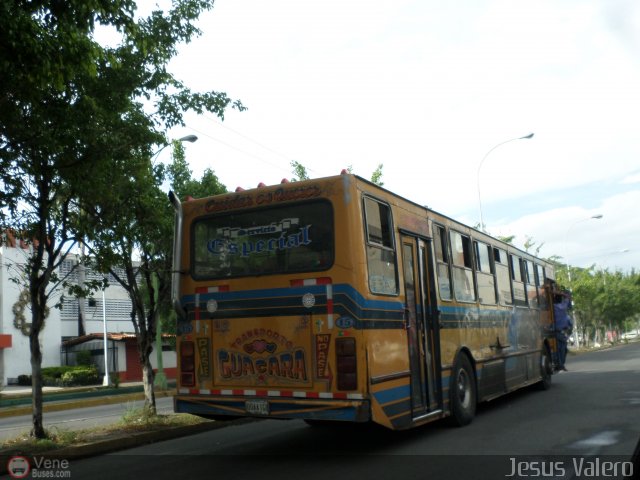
x: 283, y: 239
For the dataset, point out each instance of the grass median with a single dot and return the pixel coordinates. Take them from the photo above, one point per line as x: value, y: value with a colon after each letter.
x: 134, y: 422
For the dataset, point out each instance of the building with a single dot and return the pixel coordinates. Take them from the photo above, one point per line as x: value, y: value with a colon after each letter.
x: 78, y: 325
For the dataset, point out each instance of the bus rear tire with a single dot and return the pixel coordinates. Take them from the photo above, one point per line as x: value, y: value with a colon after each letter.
x: 546, y: 369
x: 462, y: 392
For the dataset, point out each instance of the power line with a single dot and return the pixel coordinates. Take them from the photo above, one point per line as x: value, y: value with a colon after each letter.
x: 261, y: 145
x: 244, y: 152
x: 247, y: 138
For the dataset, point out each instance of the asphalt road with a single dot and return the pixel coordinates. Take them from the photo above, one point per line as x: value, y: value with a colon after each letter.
x: 588, y: 421
x: 79, y: 418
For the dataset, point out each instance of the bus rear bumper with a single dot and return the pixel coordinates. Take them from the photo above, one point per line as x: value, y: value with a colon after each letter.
x: 266, y: 407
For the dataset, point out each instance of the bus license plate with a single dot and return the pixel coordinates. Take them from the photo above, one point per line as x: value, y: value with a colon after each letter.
x: 257, y: 407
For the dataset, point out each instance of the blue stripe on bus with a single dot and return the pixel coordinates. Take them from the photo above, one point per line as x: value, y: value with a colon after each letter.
x: 345, y: 292
x: 347, y: 301
x: 395, y: 409
x: 393, y: 394
x: 287, y: 301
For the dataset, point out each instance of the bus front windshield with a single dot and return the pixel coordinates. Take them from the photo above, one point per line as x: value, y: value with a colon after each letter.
x: 273, y: 240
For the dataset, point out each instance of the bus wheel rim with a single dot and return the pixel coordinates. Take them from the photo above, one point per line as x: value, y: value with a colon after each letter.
x: 463, y: 388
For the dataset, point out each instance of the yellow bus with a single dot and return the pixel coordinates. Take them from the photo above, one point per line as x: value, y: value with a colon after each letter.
x: 336, y: 300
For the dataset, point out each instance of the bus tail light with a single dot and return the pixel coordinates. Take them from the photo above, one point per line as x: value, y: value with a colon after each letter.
x: 187, y: 364
x: 347, y: 364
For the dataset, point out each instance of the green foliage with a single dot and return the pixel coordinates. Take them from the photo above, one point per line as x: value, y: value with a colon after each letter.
x: 78, y: 124
x: 114, y: 378
x: 530, y: 243
x: 376, y: 176
x: 74, y: 124
x: 300, y: 171
x: 60, y: 437
x: 56, y: 372
x: 181, y: 178
x: 83, y: 357
x: 137, y: 419
x: 508, y: 239
x: 603, y: 300
x: 80, y: 376
x: 65, y: 376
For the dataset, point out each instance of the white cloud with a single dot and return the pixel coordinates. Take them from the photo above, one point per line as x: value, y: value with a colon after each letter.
x: 633, y: 178
x: 574, y: 235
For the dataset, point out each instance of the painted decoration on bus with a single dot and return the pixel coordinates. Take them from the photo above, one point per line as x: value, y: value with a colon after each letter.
x: 282, y: 194
x: 263, y: 356
x: 345, y: 322
x: 284, y: 235
x: 204, y: 350
x: 322, y: 356
x: 274, y: 240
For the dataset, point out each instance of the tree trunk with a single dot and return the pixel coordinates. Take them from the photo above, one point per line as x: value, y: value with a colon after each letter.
x: 149, y: 393
x: 145, y: 347
x: 37, y: 430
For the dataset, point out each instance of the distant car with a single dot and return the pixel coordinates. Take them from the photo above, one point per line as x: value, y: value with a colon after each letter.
x: 629, y: 335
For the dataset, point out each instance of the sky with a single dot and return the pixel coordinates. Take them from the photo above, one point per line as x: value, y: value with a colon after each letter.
x: 440, y: 94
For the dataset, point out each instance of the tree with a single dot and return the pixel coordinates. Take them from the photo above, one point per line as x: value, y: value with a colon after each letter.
x: 75, y: 132
x: 376, y: 176
x: 181, y: 177
x: 143, y: 223
x: 530, y: 243
x: 508, y: 239
x: 47, y: 144
x: 603, y: 301
x: 300, y: 171
x: 130, y: 225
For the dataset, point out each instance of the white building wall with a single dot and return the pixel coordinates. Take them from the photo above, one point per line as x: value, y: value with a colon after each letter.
x: 169, y: 359
x: 117, y: 311
x: 61, y: 323
x: 16, y: 360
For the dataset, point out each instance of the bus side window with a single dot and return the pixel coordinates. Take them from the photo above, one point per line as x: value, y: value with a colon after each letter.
x: 542, y: 298
x: 381, y: 255
x: 502, y: 276
x: 519, y: 295
x: 461, y: 261
x: 484, y: 274
x: 442, y: 261
x: 532, y: 291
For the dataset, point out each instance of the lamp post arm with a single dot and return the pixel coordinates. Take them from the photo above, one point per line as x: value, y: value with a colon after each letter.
x: 480, y: 167
x: 187, y: 138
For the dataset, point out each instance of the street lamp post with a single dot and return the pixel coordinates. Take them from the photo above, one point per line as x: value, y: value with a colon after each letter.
x: 105, y: 380
x: 604, y: 277
x: 526, y: 137
x: 160, y: 377
x: 186, y: 138
x: 566, y: 236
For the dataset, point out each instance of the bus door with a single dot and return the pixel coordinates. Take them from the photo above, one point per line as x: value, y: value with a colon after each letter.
x: 421, y: 322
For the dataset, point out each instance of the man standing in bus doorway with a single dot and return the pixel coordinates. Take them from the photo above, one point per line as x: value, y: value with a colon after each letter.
x: 563, y: 326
